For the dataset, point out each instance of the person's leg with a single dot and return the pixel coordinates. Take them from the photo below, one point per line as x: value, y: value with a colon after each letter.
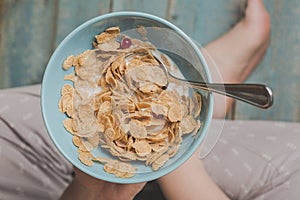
x: 241, y: 49
x: 30, y: 167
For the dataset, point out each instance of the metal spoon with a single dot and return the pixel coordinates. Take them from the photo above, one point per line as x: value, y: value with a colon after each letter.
x: 255, y: 94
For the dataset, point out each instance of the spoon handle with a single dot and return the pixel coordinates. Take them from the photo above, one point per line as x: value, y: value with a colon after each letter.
x: 255, y: 94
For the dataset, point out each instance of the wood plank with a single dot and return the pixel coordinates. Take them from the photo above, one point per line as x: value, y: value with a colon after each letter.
x: 73, y: 13
x: 25, y: 41
x: 155, y: 7
x: 3, y: 70
x: 280, y: 67
x: 204, y: 20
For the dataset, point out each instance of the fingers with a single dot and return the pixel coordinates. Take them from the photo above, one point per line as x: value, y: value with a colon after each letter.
x: 126, y: 191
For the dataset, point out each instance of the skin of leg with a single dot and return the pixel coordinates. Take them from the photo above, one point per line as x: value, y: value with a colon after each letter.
x: 190, y: 182
x: 247, y: 42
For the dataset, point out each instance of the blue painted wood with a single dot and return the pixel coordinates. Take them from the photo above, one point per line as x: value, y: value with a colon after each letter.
x: 25, y: 45
x: 73, y: 13
x: 204, y: 20
x: 155, y: 7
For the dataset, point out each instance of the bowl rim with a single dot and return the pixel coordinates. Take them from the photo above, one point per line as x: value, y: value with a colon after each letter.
x: 162, y: 171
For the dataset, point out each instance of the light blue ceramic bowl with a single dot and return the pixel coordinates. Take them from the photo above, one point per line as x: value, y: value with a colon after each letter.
x: 78, y: 41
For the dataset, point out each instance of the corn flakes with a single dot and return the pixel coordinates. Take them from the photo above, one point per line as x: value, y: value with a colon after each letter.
x: 118, y: 102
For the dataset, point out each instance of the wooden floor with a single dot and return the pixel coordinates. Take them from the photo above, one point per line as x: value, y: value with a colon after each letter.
x: 30, y: 30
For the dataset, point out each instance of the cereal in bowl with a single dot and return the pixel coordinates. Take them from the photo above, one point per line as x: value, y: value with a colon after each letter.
x: 118, y: 102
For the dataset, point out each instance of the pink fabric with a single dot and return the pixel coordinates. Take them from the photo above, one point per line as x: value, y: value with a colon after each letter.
x: 30, y: 167
x: 252, y: 160
x: 257, y: 160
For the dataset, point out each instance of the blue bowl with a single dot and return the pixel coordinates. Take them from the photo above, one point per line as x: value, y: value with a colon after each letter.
x: 80, y: 40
